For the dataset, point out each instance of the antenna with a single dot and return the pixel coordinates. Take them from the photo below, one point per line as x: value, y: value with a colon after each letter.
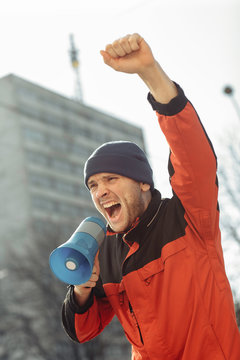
x: 75, y: 65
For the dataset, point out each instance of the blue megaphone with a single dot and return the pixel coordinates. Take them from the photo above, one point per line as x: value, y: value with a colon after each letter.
x: 72, y: 262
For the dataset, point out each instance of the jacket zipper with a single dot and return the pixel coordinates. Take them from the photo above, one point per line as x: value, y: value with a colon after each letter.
x: 135, y: 320
x: 130, y: 306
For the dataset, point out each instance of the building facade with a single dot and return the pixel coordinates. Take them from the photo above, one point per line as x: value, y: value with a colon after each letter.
x: 45, y: 141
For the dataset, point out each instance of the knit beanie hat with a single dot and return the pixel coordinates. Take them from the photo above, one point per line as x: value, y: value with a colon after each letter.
x: 120, y: 157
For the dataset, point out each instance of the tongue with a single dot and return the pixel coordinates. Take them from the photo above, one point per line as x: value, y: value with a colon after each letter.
x: 114, y: 210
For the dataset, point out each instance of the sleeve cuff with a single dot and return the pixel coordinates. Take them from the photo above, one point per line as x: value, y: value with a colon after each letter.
x: 176, y: 105
x: 75, y: 307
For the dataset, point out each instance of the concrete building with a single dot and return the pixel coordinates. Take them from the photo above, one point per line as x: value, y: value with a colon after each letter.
x: 45, y: 139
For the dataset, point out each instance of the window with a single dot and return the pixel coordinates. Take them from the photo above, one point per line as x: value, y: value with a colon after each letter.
x: 64, y: 187
x: 37, y: 158
x: 69, y: 210
x: 60, y: 164
x: 44, y: 203
x: 58, y: 144
x: 41, y: 181
x: 34, y: 135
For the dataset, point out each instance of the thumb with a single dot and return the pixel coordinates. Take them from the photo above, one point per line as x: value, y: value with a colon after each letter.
x: 106, y: 57
x: 96, y: 264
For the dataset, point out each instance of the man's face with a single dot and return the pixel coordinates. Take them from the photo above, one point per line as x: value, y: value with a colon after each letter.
x: 119, y: 199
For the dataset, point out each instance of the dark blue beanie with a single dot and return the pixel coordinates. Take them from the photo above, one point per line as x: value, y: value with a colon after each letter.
x: 120, y: 157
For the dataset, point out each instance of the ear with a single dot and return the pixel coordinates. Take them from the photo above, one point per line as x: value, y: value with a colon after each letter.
x: 144, y: 187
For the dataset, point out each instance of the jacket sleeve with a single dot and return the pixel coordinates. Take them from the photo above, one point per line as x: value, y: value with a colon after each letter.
x: 192, y: 161
x: 84, y: 323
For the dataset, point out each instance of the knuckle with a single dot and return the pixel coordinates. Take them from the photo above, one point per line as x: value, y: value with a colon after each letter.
x: 94, y: 277
x: 108, y: 47
x: 123, y: 40
x: 136, y: 36
x: 131, y: 38
x: 115, y: 43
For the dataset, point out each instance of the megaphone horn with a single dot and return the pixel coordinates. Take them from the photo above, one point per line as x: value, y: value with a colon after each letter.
x: 72, y: 262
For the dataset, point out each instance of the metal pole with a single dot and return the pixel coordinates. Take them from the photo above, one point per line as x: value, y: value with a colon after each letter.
x: 75, y: 65
x: 228, y: 90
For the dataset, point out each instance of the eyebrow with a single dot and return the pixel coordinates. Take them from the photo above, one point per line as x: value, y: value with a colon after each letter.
x: 90, y: 182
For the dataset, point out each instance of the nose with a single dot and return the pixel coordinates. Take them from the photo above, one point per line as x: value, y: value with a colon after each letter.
x: 101, y: 191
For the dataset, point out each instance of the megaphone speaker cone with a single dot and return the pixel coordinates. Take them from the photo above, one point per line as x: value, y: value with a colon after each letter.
x: 72, y: 262
x: 70, y: 266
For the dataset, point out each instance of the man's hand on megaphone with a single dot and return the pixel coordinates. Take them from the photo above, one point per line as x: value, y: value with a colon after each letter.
x: 83, y: 291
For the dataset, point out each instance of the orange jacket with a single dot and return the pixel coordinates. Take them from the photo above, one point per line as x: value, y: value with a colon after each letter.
x: 165, y: 279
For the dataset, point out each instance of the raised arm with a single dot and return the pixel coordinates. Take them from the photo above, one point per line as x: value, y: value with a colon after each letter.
x: 192, y: 161
x: 131, y: 54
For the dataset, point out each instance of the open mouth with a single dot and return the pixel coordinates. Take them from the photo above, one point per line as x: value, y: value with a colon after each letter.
x: 112, y: 209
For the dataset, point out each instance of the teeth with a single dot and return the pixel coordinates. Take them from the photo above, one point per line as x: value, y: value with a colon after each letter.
x: 108, y: 205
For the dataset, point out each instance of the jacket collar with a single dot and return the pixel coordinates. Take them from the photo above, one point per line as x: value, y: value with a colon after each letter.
x: 139, y: 227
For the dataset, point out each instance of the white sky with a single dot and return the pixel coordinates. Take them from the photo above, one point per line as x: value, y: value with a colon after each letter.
x: 196, y: 41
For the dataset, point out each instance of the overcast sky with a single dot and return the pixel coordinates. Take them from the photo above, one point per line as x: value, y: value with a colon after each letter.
x: 196, y: 41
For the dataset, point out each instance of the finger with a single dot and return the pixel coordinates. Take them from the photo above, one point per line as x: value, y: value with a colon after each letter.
x: 118, y: 48
x: 94, y: 270
x: 134, y: 41
x: 93, y: 278
x: 109, y: 49
x: 106, y: 57
x: 125, y: 44
x: 90, y: 283
x: 96, y: 265
x: 108, y: 60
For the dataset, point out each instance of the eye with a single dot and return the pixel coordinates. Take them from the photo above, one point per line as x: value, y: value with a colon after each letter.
x: 92, y: 186
x: 112, y: 178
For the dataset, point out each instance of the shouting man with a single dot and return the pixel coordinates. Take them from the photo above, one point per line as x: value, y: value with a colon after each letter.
x: 160, y: 269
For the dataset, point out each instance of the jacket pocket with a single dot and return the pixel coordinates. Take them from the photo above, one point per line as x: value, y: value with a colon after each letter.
x: 147, y: 272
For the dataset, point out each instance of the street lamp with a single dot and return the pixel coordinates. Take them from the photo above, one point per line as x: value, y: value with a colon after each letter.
x: 228, y: 90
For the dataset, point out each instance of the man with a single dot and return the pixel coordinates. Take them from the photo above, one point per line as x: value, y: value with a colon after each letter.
x: 160, y: 268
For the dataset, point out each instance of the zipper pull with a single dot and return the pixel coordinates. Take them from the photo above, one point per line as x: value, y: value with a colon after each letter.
x: 136, y: 322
